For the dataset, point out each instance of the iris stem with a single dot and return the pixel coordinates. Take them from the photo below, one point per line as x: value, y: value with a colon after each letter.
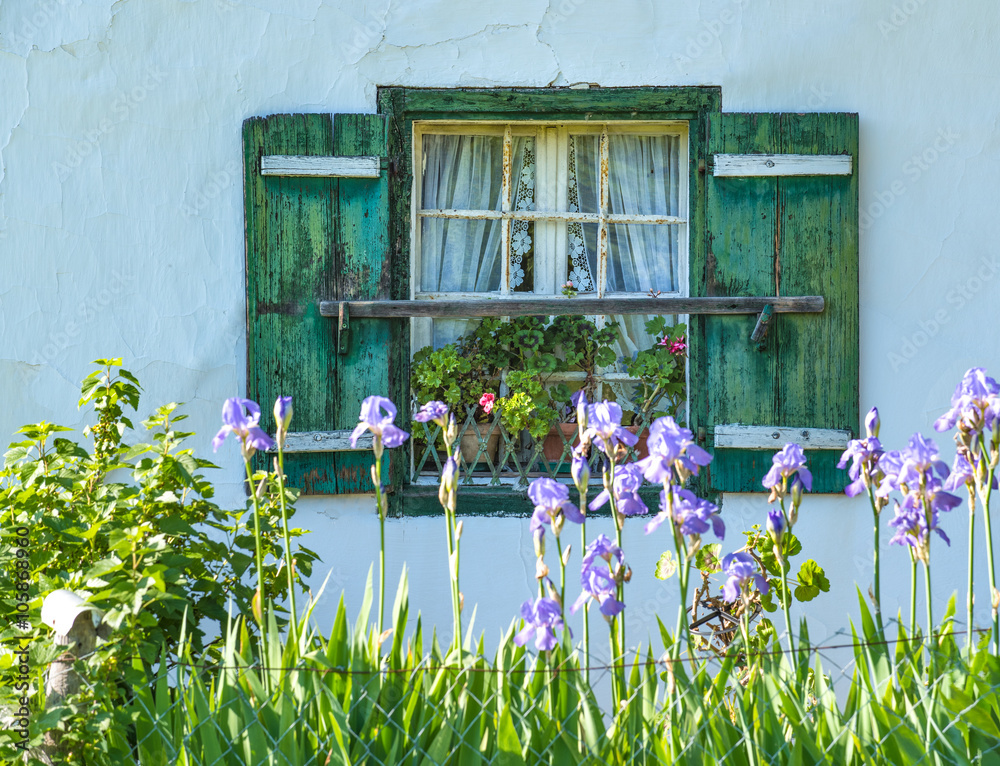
x: 786, y: 596
x: 970, y: 592
x: 913, y: 595
x: 562, y: 583
x: 619, y: 520
x: 381, y: 531
x: 293, y: 615
x: 930, y: 619
x: 985, y: 491
x: 877, y: 575
x: 260, y: 563
x: 586, y: 607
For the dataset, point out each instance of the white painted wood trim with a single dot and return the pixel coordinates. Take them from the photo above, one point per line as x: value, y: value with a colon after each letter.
x: 324, y: 441
x: 775, y: 437
x: 733, y: 165
x: 325, y: 167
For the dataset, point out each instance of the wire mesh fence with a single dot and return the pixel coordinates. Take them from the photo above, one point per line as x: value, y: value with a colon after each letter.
x: 905, y: 700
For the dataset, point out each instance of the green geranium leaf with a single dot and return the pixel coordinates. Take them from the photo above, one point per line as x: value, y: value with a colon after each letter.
x: 812, y: 580
x: 707, y: 559
x: 666, y: 566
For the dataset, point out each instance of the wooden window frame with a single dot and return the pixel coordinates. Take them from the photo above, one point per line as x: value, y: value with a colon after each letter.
x: 404, y: 106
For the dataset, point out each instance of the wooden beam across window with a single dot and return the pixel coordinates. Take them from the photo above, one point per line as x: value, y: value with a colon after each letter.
x: 554, y: 306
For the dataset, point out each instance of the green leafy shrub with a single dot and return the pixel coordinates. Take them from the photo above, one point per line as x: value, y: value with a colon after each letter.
x: 133, y: 527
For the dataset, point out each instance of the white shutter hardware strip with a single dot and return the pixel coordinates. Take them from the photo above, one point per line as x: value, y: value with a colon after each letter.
x: 763, y: 165
x: 324, y: 441
x: 320, y: 167
x: 775, y: 437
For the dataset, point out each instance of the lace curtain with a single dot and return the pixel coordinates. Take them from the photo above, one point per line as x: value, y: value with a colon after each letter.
x: 643, y: 179
x: 465, y: 173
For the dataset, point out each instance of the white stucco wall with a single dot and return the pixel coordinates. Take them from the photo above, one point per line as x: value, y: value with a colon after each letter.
x: 121, y: 223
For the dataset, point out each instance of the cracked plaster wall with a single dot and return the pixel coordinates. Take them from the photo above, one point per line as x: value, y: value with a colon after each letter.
x: 121, y: 207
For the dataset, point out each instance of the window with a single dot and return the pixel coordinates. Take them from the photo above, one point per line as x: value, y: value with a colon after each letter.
x: 345, y: 235
x: 505, y: 210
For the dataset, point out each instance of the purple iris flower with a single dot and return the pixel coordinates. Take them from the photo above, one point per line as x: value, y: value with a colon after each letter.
x: 244, y: 426
x: 626, y: 484
x: 601, y: 547
x: 604, y: 427
x: 864, y: 455
x: 551, y: 501
x: 790, y: 462
x: 741, y: 569
x: 599, y: 585
x: 691, y: 514
x: 975, y: 405
x: 776, y: 524
x: 377, y: 414
x: 911, y: 521
x: 961, y: 473
x: 906, y: 467
x: 597, y: 577
x: 542, y: 618
x: 433, y: 411
x: 671, y: 446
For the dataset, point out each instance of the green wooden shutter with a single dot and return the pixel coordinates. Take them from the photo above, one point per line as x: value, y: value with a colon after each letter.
x: 310, y: 239
x: 779, y: 235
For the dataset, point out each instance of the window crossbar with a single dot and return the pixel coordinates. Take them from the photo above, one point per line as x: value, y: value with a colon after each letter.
x: 536, y: 215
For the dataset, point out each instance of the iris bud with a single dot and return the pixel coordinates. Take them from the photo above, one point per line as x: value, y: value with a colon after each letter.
x: 283, y: 417
x: 872, y: 423
x: 776, y: 525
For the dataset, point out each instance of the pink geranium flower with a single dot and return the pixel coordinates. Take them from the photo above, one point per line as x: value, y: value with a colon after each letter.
x: 487, y: 402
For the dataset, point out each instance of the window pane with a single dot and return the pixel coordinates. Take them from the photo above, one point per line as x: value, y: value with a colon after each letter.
x: 581, y: 256
x: 644, y: 175
x: 459, y: 255
x: 522, y: 233
x: 642, y: 257
x: 584, y: 173
x: 462, y: 172
x: 522, y: 256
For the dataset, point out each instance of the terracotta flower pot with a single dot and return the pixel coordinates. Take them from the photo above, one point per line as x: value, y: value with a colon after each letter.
x: 640, y: 446
x: 470, y: 443
x: 552, y: 446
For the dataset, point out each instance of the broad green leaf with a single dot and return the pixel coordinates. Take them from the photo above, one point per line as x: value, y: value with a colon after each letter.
x: 666, y: 566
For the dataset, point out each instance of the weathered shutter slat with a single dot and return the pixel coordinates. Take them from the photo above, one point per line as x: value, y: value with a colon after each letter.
x: 362, y: 273
x: 290, y: 264
x: 793, y: 235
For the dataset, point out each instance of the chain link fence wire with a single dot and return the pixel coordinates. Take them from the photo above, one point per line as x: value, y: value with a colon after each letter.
x: 807, y: 706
